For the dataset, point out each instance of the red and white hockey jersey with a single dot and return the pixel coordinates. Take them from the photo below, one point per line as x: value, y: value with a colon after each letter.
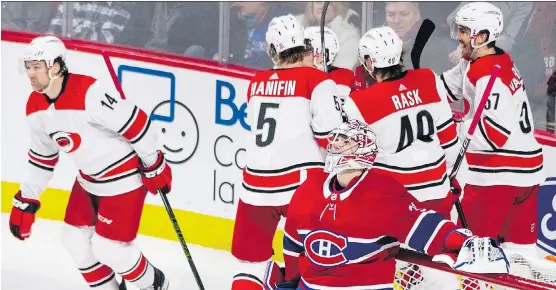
x: 343, y: 78
x: 415, y: 131
x: 348, y: 238
x: 503, y: 149
x: 290, y: 112
x: 103, y: 134
x: 361, y: 80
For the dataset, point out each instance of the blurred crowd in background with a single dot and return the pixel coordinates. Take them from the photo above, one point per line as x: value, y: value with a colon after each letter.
x: 234, y: 32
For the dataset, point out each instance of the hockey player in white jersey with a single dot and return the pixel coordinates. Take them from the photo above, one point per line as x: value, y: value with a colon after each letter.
x: 291, y: 109
x: 117, y: 159
x: 505, y: 161
x: 341, y: 76
x: 409, y: 111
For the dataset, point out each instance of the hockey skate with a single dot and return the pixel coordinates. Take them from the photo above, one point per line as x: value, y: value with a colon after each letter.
x: 160, y: 281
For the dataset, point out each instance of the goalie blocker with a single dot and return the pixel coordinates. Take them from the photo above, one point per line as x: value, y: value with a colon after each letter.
x: 346, y: 224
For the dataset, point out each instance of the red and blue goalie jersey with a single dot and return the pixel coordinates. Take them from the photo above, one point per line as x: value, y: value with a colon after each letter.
x: 337, y: 238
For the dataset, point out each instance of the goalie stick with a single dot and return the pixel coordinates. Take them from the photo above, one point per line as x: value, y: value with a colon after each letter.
x: 425, y: 31
x: 323, y: 48
x: 471, y: 130
x: 169, y: 209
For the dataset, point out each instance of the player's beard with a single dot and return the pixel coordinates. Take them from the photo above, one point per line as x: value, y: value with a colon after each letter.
x: 465, y: 49
x: 37, y: 85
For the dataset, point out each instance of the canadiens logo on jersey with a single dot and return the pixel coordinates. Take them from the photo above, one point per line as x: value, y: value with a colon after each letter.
x: 325, y: 248
x: 66, y: 141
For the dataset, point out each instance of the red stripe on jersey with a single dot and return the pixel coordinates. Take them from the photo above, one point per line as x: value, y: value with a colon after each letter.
x: 137, y: 271
x: 126, y: 166
x: 448, y: 133
x: 413, y: 177
x: 495, y: 160
x: 494, y: 133
x: 323, y: 142
x: 48, y: 162
x: 97, y: 274
x: 271, y: 181
x: 246, y: 282
x: 342, y: 76
x: 136, y: 125
x: 416, y: 88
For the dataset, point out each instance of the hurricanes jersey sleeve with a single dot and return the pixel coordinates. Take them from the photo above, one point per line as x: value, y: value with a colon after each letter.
x: 124, y: 117
x: 43, y: 157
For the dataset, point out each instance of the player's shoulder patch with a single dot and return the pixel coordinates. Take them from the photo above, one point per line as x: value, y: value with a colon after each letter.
x: 77, y: 87
x: 36, y: 102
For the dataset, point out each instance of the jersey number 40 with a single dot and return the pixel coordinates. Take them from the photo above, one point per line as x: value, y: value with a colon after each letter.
x: 425, y: 128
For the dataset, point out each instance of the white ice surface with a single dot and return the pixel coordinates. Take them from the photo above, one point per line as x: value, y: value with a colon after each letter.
x: 42, y: 262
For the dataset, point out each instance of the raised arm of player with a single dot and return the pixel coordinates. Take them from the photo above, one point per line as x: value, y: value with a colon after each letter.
x: 453, y: 80
x: 132, y: 123
x: 500, y: 116
x: 446, y: 128
x: 326, y: 108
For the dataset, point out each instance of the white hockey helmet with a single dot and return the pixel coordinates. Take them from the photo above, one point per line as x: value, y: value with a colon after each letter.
x: 45, y: 48
x: 383, y: 46
x: 351, y: 146
x: 285, y: 32
x: 479, y: 16
x: 312, y: 34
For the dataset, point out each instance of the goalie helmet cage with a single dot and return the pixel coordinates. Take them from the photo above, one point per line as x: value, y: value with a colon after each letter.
x: 418, y: 272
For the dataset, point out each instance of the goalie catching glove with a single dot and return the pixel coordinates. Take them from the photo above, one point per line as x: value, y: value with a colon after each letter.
x: 157, y: 177
x: 476, y: 255
x: 22, y: 216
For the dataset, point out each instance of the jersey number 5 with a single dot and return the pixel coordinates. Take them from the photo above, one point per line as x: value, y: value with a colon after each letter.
x: 406, y: 131
x: 261, y: 121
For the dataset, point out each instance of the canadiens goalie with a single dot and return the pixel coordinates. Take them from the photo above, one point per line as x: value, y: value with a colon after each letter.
x: 345, y: 226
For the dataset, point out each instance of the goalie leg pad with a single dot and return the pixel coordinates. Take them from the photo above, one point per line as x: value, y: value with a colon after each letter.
x: 77, y: 241
x: 126, y: 259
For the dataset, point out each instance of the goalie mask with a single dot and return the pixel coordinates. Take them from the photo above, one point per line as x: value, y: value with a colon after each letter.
x: 313, y: 36
x: 351, y: 146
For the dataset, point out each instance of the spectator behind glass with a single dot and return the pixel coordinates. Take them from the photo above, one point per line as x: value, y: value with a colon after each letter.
x: 124, y: 23
x: 405, y: 19
x: 342, y: 21
x: 249, y: 23
x: 535, y: 58
x: 516, y: 17
x: 551, y: 103
x: 27, y: 16
x: 186, y: 28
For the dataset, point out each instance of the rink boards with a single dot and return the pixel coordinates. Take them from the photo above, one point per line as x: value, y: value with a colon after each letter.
x: 201, y: 99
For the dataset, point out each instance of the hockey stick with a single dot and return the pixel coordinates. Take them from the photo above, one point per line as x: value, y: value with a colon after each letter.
x: 162, y: 196
x: 425, y: 31
x: 323, y: 48
x: 470, y: 132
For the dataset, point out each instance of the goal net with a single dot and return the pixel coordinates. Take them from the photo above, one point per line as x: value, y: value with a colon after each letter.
x: 418, y: 272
